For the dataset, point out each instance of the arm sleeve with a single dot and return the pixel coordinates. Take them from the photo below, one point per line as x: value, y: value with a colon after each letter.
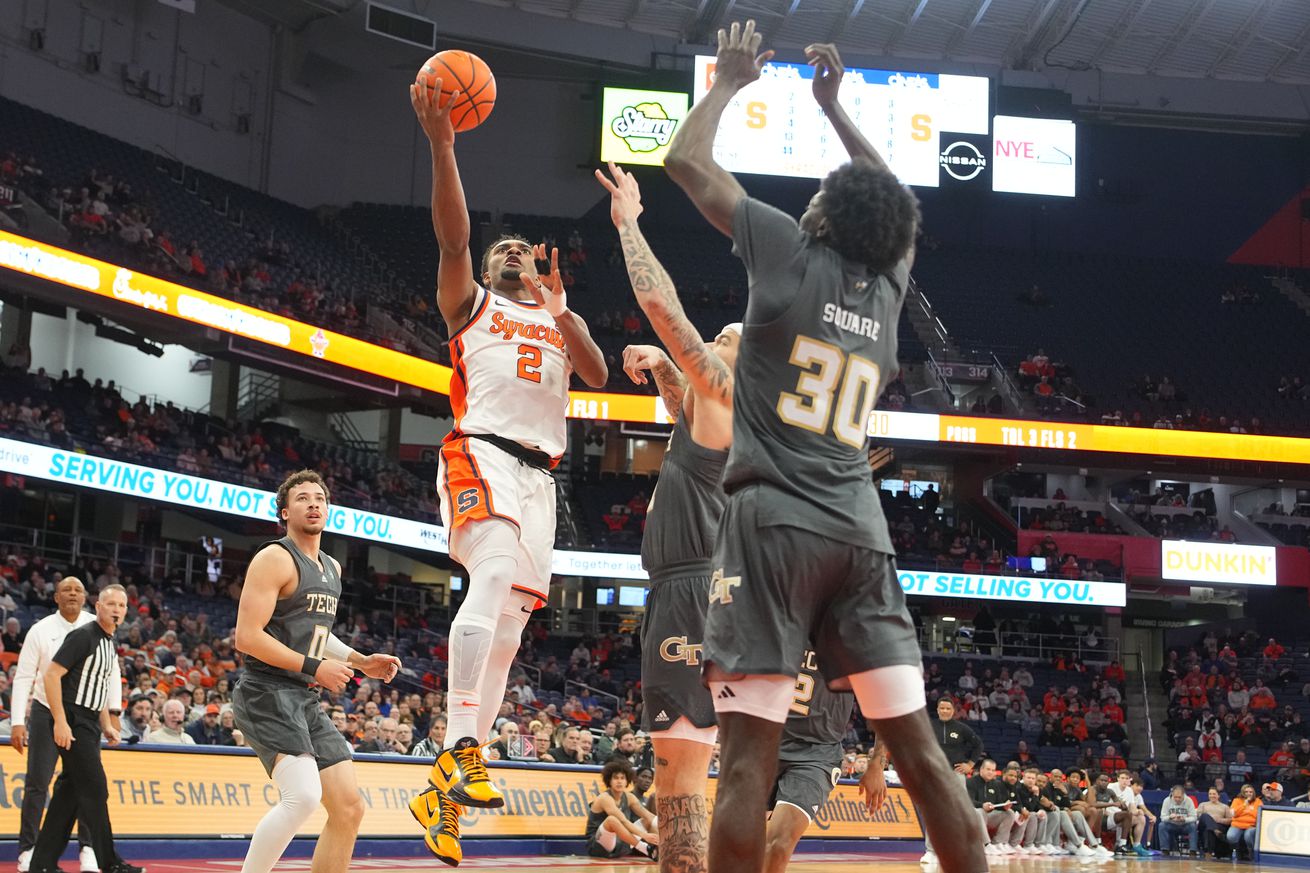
x: 114, y: 700
x: 25, y: 676
x: 769, y: 242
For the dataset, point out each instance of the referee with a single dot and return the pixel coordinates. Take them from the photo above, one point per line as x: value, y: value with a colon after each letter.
x: 35, y: 734
x: 77, y: 686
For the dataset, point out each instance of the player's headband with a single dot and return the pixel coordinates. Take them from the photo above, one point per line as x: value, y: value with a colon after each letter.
x: 736, y: 327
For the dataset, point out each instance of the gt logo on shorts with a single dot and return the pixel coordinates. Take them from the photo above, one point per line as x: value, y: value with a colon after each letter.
x: 721, y: 587
x: 467, y: 499
x: 675, y: 649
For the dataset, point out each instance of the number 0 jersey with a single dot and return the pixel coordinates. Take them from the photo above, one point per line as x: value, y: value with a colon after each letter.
x: 302, y: 621
x: 511, y: 374
x: 818, y: 347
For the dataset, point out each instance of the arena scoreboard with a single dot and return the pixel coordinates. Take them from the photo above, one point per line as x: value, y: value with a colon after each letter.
x: 774, y: 127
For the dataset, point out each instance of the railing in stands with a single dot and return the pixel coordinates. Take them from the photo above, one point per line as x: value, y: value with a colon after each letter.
x: 968, y: 640
x: 589, y: 690
x: 1146, y: 706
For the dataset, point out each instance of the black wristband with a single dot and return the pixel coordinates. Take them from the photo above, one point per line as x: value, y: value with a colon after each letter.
x: 310, y: 667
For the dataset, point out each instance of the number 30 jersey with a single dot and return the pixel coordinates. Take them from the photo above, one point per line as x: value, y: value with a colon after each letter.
x: 511, y: 374
x: 818, y: 347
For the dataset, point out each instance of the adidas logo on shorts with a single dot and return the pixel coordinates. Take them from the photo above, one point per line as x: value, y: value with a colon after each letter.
x: 663, y: 716
x: 726, y: 693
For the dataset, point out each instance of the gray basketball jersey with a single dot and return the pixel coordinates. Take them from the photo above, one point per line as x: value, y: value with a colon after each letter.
x: 302, y: 621
x: 819, y: 346
x: 683, y: 516
x: 818, y: 718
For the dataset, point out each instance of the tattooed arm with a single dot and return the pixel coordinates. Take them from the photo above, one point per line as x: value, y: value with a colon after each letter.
x: 671, y: 384
x: 708, y: 376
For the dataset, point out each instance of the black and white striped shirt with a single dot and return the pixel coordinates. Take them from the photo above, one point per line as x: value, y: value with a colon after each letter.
x: 92, y: 663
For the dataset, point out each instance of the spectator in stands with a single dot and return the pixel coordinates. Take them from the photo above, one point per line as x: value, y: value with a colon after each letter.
x: 1239, y: 770
x: 1272, y: 793
x: 506, y: 746
x: 967, y: 681
x: 1112, y: 762
x: 430, y: 746
x: 1022, y: 755
x: 12, y: 639
x: 137, y: 723
x: 404, y: 740
x: 1150, y: 775
x: 1213, y: 818
x: 1246, y: 806
x: 205, y: 730
x: 1178, y: 817
x: 1238, y: 697
x: 173, y: 718
x: 1262, y: 698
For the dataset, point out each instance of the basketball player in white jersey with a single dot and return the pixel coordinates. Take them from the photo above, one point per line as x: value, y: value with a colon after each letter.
x: 514, y: 343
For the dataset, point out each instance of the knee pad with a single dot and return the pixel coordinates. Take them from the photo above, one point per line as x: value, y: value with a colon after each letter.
x: 296, y: 777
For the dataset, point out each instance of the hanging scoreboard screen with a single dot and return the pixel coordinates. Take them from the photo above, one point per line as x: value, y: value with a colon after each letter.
x: 773, y: 126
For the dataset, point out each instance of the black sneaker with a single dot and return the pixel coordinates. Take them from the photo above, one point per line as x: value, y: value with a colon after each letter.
x: 55, y: 869
x: 1122, y: 850
x: 122, y: 866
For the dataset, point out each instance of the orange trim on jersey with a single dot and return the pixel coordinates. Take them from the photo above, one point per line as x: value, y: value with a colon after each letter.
x: 477, y: 313
x: 541, y: 598
x: 467, y: 491
x: 458, y: 382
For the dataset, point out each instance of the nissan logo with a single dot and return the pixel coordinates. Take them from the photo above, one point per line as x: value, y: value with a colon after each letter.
x: 963, y: 161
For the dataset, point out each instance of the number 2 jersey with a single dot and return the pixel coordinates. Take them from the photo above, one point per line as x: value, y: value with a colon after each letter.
x: 511, y: 374
x: 302, y: 621
x: 817, y: 720
x: 818, y: 347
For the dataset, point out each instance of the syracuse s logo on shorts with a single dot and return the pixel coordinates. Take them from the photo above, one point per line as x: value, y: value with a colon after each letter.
x: 467, y: 499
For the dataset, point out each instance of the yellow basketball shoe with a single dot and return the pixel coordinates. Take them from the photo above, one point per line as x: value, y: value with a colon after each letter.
x: 443, y: 837
x: 424, y: 807
x: 460, y: 774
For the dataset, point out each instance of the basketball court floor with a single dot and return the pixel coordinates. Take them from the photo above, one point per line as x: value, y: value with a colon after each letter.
x: 807, y: 863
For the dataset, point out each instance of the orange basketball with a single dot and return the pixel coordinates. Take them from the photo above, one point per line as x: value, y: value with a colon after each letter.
x: 468, y: 74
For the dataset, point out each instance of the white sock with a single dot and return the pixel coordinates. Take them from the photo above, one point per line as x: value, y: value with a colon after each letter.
x: 471, y: 639
x: 296, y: 777
x: 504, y: 648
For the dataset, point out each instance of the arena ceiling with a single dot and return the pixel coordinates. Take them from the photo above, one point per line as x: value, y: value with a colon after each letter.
x: 1251, y: 40
x: 1245, y: 40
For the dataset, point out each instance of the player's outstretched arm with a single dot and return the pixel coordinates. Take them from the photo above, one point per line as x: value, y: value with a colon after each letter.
x: 828, y: 72
x: 671, y: 383
x: 456, y: 284
x: 657, y: 296
x: 584, y: 355
x: 271, y: 570
x: 690, y: 161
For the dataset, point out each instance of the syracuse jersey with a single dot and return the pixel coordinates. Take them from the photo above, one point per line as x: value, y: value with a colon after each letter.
x: 511, y: 374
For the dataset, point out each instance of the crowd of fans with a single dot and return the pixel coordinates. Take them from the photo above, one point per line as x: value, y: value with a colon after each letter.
x: 1230, y: 714
x: 73, y: 413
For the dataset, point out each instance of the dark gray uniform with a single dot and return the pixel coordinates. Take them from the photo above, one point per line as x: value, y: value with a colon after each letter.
x: 809, y: 758
x: 681, y: 523
x: 276, y: 709
x: 803, y: 559
x: 595, y: 820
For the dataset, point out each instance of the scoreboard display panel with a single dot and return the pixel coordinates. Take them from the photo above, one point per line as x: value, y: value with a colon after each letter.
x: 774, y: 127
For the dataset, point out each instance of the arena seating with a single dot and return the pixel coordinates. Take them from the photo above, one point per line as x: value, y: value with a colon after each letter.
x: 1256, y: 731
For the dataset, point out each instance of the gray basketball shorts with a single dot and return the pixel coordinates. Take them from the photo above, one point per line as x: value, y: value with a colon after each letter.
x: 672, y: 638
x: 805, y: 785
x: 778, y: 590
x: 280, y: 718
